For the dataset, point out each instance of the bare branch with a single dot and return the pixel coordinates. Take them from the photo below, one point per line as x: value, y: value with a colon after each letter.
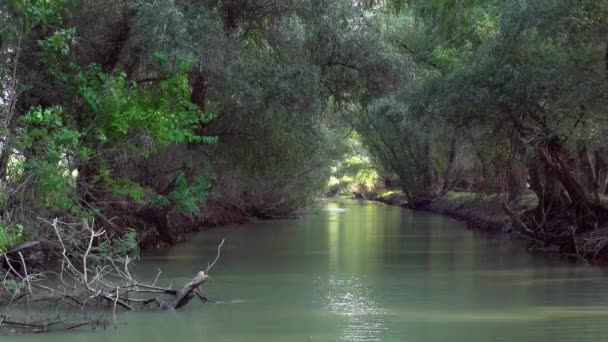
x: 27, y: 277
x: 219, y: 247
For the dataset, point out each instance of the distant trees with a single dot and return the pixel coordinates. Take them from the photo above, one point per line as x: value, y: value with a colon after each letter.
x: 541, y: 81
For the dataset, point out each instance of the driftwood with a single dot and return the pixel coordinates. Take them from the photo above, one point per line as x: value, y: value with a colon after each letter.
x: 92, y: 275
x: 189, y: 290
x: 45, y: 325
x: 23, y: 246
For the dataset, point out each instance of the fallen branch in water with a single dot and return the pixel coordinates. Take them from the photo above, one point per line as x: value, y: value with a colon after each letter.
x: 92, y: 274
x: 43, y: 326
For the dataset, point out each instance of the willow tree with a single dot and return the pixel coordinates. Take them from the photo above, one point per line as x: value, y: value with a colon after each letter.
x: 422, y: 41
x: 541, y: 80
x: 516, y: 81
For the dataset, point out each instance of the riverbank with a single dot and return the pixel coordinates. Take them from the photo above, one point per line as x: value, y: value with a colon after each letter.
x: 486, y: 213
x: 478, y: 211
x: 149, y: 235
x: 212, y: 215
x: 482, y: 212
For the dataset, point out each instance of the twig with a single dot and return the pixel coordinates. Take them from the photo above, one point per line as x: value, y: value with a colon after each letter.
x: 110, y: 280
x: 27, y: 277
x: 156, y: 278
x: 219, y: 247
x: 115, y: 301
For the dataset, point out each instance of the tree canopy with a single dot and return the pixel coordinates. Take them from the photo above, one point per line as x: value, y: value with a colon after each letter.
x: 142, y: 110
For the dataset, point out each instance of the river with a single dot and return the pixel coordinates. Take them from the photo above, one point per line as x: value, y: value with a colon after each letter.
x: 360, y: 271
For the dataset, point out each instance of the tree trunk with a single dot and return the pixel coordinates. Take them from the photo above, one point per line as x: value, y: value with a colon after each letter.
x: 601, y: 170
x: 589, y: 172
x: 551, y: 195
x: 555, y: 158
x: 4, y: 159
x: 516, y: 179
x: 429, y: 187
x: 448, y: 174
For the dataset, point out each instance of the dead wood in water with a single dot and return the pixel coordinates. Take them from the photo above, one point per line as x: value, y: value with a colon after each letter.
x: 189, y: 290
x: 92, y: 275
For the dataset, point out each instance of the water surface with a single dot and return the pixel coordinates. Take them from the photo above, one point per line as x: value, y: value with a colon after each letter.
x: 357, y: 271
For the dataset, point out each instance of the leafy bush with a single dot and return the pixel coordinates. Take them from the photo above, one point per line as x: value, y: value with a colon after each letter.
x: 10, y: 236
x: 126, y: 245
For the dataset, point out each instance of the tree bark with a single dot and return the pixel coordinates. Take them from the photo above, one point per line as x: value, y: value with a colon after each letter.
x: 4, y: 158
x: 549, y: 191
x: 448, y: 175
x: 191, y: 289
x: 589, y: 172
x: 516, y: 179
x: 554, y: 157
x: 601, y: 170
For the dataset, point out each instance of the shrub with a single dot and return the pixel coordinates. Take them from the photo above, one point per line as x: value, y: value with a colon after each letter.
x: 10, y: 236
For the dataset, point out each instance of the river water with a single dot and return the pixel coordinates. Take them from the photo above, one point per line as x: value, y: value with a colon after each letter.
x: 359, y: 271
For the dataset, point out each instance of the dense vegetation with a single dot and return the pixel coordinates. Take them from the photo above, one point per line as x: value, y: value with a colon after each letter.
x: 164, y: 114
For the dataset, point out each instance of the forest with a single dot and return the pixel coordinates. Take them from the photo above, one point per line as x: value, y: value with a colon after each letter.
x: 144, y: 120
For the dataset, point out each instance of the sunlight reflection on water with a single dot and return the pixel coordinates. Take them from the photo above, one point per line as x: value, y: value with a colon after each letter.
x: 352, y: 301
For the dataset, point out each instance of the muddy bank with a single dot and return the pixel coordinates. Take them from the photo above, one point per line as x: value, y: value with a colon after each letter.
x: 478, y: 213
x: 481, y: 212
x: 158, y: 228
x: 155, y: 229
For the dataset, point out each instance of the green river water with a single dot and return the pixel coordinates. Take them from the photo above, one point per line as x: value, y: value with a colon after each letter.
x: 358, y: 271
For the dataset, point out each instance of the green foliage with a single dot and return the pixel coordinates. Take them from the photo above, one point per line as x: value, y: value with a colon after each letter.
x: 41, y: 11
x: 108, y: 112
x: 130, y: 99
x: 10, y: 236
x: 126, y: 187
x: 355, y: 172
x: 13, y: 287
x: 124, y: 101
x: 49, y: 142
x: 501, y: 78
x: 188, y: 196
x: 23, y: 15
x: 117, y: 107
x: 124, y: 246
x: 55, y: 49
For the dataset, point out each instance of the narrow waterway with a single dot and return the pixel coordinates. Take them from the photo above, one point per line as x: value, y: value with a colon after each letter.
x: 358, y: 271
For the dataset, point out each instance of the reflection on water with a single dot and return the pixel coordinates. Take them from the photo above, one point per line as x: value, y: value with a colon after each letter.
x: 352, y: 301
x: 361, y: 271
